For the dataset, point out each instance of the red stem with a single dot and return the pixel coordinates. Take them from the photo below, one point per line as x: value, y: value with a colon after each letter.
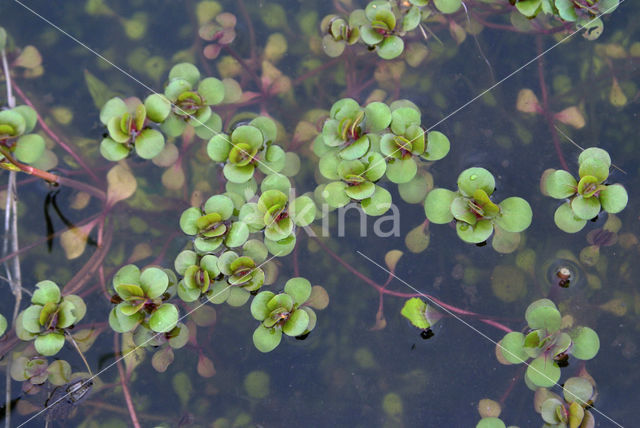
x: 545, y: 106
x: 382, y: 290
x: 315, y: 71
x: 123, y: 382
x: 53, y: 136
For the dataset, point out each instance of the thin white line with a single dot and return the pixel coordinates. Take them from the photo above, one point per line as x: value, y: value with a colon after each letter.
x: 492, y: 87
x: 503, y: 349
x: 147, y: 87
x: 143, y: 343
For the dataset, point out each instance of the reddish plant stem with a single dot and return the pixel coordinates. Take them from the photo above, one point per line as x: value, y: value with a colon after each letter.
x: 315, y: 71
x: 123, y: 382
x: 512, y: 383
x: 252, y: 33
x: 52, y: 178
x: 53, y: 136
x: 165, y: 247
x: 246, y: 67
x: 296, y: 268
x: 94, y: 262
x: 545, y: 106
x: 382, y: 290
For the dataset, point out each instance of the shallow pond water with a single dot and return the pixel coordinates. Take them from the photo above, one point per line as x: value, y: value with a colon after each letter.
x: 363, y: 364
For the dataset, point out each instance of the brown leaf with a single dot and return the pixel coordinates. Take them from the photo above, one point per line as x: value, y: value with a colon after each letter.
x: 121, y: 184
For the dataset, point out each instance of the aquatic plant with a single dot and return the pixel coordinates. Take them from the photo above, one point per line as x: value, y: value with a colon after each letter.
x: 586, y: 197
x: 48, y: 317
x: 141, y: 299
x: 548, y: 343
x: 289, y: 312
x: 475, y: 214
x: 360, y: 145
x: 382, y: 25
x: 421, y: 315
x: 230, y: 181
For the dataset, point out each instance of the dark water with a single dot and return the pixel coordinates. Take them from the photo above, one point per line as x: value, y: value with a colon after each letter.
x: 341, y: 374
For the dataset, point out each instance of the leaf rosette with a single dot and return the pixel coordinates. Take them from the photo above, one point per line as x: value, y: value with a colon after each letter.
x: 212, y: 225
x: 191, y: 100
x: 48, y: 317
x: 476, y: 215
x: 16, y: 138
x: 141, y: 298
x: 289, y: 312
x: 587, y: 196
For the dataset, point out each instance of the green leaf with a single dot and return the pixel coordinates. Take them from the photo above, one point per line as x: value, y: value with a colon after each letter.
x: 237, y: 234
x: 238, y: 297
x: 112, y: 150
x: 559, y: 184
x: 158, y: 107
x: 128, y: 274
x: 549, y: 411
x: 529, y: 8
x: 543, y: 314
x: 238, y: 174
x: 185, y: 71
x: 154, y: 282
x: 566, y: 10
x: 296, y: 324
x: 594, y: 166
x: 585, y: 208
x: 379, y: 203
x: 122, y: 323
x: 566, y: 220
x: 377, y: 116
x: 299, y: 289
x: 476, y: 234
x: 149, y: 143
x: 335, y: 195
x: 472, y: 179
x: 586, y: 343
x: 490, y: 422
x: 220, y: 204
x: 391, y: 47
x: 281, y: 248
x: 49, y: 344
x: 31, y: 318
x: 512, y: 348
x: 46, y: 291
x: 613, y: 198
x: 437, y: 205
x: 370, y: 36
x: 266, y: 339
x: 515, y: 214
x: 577, y: 389
x: 447, y: 6
x: 29, y: 148
x: 164, y: 318
x: 411, y: 19
x: 267, y: 126
x: 543, y: 372
x: 184, y: 260
x: 212, y: 90
x: 302, y: 210
x: 3, y: 325
x: 414, y: 310
x: 259, y: 309
x: 218, y: 148
x: 438, y: 146
x: 401, y: 170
